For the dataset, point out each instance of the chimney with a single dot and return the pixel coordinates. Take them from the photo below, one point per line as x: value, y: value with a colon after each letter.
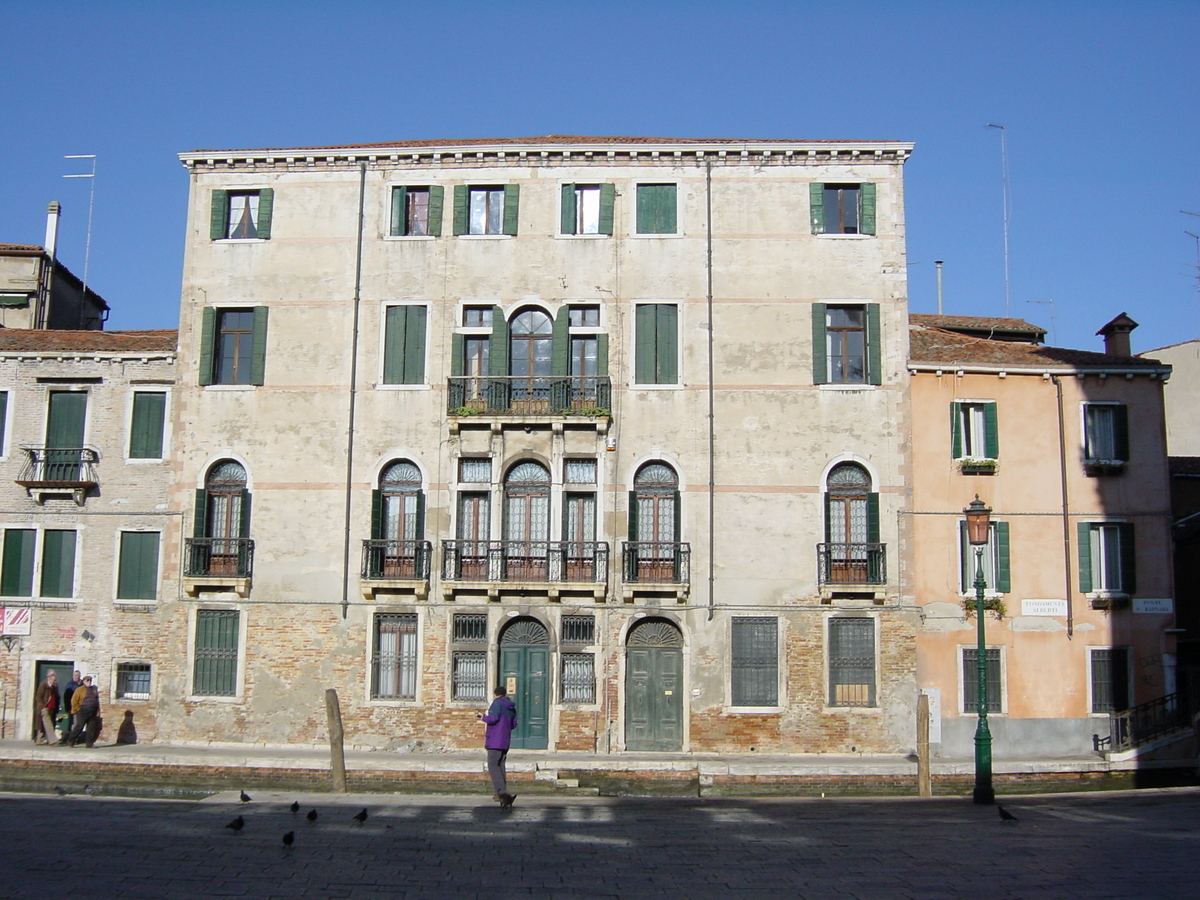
x: 52, y: 214
x: 1116, y: 336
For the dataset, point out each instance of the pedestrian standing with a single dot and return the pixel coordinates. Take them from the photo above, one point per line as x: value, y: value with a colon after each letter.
x: 501, y: 719
x: 72, y: 686
x: 85, y: 703
x: 45, y: 701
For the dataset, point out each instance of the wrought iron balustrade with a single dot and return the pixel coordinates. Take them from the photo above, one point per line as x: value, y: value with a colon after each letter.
x: 218, y: 558
x: 852, y: 563
x: 66, y: 467
x: 584, y: 562
x: 399, y: 560
x: 656, y: 562
x: 1146, y: 722
x: 528, y: 395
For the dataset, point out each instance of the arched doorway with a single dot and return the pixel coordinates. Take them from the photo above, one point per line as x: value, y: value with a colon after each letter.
x: 654, y: 532
x: 223, y: 520
x: 397, y: 519
x: 654, y: 687
x: 525, y: 671
x: 526, y: 521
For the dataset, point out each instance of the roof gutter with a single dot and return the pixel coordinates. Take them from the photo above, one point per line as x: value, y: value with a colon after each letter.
x: 1163, y: 372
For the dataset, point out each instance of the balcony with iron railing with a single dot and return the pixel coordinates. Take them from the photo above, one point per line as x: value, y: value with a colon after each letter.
x: 537, y: 565
x: 850, y: 565
x: 656, y: 567
x: 58, y: 470
x: 396, y: 565
x: 526, y: 396
x: 218, y: 563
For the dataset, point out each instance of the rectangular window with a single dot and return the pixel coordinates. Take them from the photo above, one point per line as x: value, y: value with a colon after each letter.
x: 469, y: 675
x: 470, y: 628
x: 579, y: 471
x: 146, y: 425
x: 656, y: 344
x: 657, y: 209
x: 16, y: 579
x: 851, y: 661
x: 215, y: 671
x: 1105, y: 433
x: 583, y: 316
x: 588, y: 208
x: 404, y: 345
x: 133, y: 681
x: 233, y: 345
x: 241, y: 215
x: 58, y: 563
x: 394, y: 661
x: 18, y: 570
x: 486, y: 209
x: 846, y: 343
x: 996, y: 566
x: 970, y: 670
x: 417, y: 211
x: 1106, y: 557
x: 842, y: 208
x: 473, y: 470
x: 1110, y: 679
x: 754, y: 673
x: 137, y: 570
x: 578, y: 678
x: 973, y: 430
x: 477, y: 317
x: 578, y: 629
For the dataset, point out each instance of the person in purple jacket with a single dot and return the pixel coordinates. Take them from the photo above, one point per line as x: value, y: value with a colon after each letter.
x: 501, y: 719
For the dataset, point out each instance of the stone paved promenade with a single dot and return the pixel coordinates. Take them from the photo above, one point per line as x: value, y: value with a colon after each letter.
x: 1142, y: 845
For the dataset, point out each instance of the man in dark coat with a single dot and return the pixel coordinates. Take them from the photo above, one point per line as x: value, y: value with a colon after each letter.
x: 85, y: 703
x: 501, y: 719
x: 45, y: 701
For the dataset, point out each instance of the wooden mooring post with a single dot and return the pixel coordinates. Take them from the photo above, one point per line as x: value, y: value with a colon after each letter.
x: 337, y: 754
x: 924, y: 781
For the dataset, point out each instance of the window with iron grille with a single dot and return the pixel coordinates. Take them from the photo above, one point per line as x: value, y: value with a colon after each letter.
x: 754, y: 673
x: 578, y: 678
x: 970, y: 662
x: 1110, y: 679
x: 215, y: 670
x: 470, y: 628
x: 474, y: 471
x: 578, y: 629
x: 394, y: 661
x: 579, y: 471
x: 133, y: 681
x: 851, y: 661
x: 469, y: 675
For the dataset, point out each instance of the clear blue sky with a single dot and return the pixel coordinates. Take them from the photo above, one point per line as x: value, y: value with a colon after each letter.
x: 1100, y: 100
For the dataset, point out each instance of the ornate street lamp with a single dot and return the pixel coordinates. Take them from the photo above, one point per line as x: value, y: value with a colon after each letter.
x: 978, y: 516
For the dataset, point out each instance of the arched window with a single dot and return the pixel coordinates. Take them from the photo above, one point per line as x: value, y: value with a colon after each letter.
x: 222, y: 522
x: 398, y: 511
x: 527, y: 520
x: 530, y: 353
x: 654, y: 553
x: 851, y: 525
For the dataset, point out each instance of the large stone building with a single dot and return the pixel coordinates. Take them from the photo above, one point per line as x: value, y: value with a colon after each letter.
x: 618, y: 422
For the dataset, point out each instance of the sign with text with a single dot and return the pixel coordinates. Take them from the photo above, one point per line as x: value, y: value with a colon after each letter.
x: 1153, y: 605
x: 17, y: 620
x: 1044, y: 608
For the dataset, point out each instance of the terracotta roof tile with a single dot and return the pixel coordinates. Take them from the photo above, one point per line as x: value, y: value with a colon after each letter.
x: 48, y: 340
x: 936, y: 345
x: 22, y: 249
x: 976, y: 323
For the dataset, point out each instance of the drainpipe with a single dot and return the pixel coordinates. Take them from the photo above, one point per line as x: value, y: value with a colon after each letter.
x: 358, y: 252
x: 712, y: 435
x: 1066, y: 516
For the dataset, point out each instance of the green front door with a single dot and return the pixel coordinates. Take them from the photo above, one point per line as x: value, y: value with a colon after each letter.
x: 64, y: 670
x: 525, y: 671
x: 64, y: 435
x: 654, y: 687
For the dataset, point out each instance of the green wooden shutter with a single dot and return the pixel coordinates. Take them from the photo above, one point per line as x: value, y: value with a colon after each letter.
x: 219, y: 224
x: 560, y: 343
x: 137, y: 572
x: 1121, y: 431
x: 1084, y: 539
x: 208, y: 327
x: 244, y: 525
x: 866, y: 208
x: 414, y: 345
x: 266, y: 201
x: 395, y: 318
x: 258, y: 349
x: 633, y: 517
x: 66, y: 419
x: 956, y: 443
x: 58, y: 563
x: 966, y: 578
x: 3, y: 418
x: 1003, y: 569
x: 873, y: 518
x: 644, y: 344
x: 992, y: 431
x: 377, y: 515
x: 874, y: 350
x: 512, y: 202
x: 457, y: 352
x: 399, y: 221
x: 820, y: 348
x: 667, y: 336
x: 200, y: 514
x: 498, y: 344
x: 602, y: 355
x: 146, y: 431
x: 1128, y: 558
x: 816, y: 207
x: 608, y: 200
x: 462, y: 221
x: 437, y: 200
x: 657, y: 209
x: 568, y: 213
x: 420, y: 516
x: 677, y: 505
x: 16, y: 580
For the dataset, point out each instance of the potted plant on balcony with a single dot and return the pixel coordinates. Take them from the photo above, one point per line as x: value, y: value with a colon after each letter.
x: 977, y: 465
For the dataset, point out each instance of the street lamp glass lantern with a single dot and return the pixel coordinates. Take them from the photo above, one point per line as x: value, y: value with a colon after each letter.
x: 979, y: 516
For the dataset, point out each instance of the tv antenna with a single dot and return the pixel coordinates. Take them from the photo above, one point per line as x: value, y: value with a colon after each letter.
x: 1007, y: 206
x: 87, y: 250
